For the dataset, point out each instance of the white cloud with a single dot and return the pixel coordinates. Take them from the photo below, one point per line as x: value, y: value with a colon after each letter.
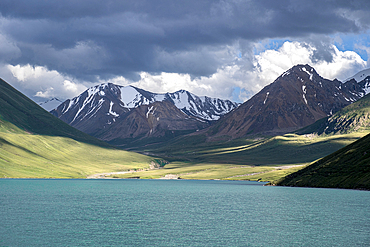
x: 344, y: 65
x: 40, y: 82
x: 28, y: 72
x: 48, y: 93
x: 238, y: 79
x: 270, y: 64
x: 220, y: 84
x: 250, y: 79
x: 267, y: 66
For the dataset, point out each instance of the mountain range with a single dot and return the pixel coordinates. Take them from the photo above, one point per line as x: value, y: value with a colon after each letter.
x: 120, y: 114
x: 297, y: 98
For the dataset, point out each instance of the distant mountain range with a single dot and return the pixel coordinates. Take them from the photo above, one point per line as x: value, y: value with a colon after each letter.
x: 120, y: 114
x: 297, y: 98
x: 36, y: 144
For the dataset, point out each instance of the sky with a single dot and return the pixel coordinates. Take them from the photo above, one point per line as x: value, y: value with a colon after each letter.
x: 228, y: 49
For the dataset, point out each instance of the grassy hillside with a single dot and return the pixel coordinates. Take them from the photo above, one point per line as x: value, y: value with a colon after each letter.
x: 24, y: 155
x: 282, y: 150
x: 30, y: 117
x: 33, y: 143
x: 347, y: 168
x: 190, y: 170
x: 267, y: 159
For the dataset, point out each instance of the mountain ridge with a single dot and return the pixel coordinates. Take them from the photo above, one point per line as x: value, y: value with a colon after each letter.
x: 297, y: 98
x: 108, y: 108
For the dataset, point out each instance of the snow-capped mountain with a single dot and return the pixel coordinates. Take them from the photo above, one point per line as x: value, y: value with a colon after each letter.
x: 360, y: 75
x: 297, y: 98
x: 362, y: 78
x: 205, y: 108
x: 50, y: 104
x: 99, y: 108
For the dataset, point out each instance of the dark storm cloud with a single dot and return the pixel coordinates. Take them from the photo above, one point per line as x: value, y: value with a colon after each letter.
x: 86, y: 39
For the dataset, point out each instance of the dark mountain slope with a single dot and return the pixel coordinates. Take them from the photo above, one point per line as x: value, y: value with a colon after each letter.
x: 347, y: 168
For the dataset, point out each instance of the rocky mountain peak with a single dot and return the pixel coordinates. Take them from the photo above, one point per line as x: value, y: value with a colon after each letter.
x: 304, y: 73
x: 297, y: 98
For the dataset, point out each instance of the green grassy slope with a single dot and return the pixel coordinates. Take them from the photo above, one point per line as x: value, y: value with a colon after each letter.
x: 33, y: 143
x: 30, y: 117
x: 347, y: 168
x: 282, y: 150
x: 24, y: 155
x: 266, y: 159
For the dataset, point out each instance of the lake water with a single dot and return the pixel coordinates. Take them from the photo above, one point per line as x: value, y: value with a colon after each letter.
x: 36, y: 212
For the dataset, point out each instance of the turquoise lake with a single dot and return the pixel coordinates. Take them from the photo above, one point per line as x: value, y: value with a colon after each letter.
x: 37, y: 212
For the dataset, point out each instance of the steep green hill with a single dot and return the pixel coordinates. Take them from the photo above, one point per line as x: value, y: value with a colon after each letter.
x: 33, y: 143
x: 347, y: 168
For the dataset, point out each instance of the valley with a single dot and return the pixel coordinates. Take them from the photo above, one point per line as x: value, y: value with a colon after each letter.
x: 25, y: 155
x: 262, y: 159
x: 35, y: 144
x: 180, y: 135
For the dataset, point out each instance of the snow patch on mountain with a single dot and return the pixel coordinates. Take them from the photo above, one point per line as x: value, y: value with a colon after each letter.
x: 367, y: 86
x: 267, y: 95
x: 362, y: 78
x: 181, y: 100
x: 304, y: 93
x: 202, y: 107
x: 131, y: 98
x: 111, y: 112
x: 149, y: 111
x: 310, y: 74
